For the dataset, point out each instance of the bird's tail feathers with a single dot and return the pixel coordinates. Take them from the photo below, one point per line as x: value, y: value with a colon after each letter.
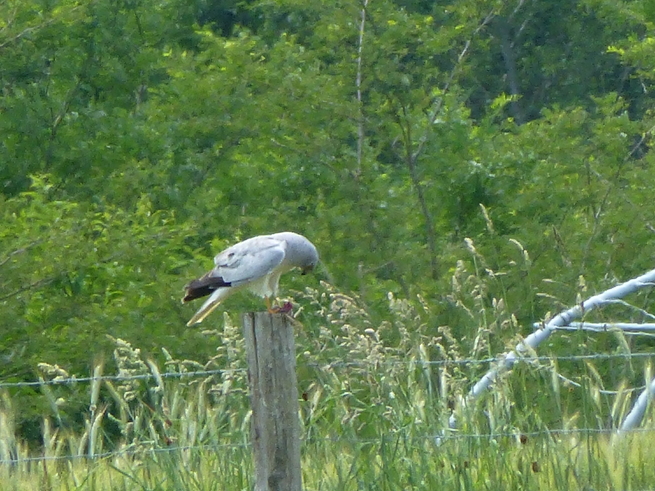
x: 207, y: 308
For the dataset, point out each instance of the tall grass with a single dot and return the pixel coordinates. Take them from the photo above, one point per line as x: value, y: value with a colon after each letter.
x: 376, y: 397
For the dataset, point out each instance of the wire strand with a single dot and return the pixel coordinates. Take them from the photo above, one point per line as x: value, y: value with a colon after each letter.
x: 441, y: 440
x: 323, y: 366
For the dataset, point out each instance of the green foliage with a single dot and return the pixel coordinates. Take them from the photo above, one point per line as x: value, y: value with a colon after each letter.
x: 72, y: 273
x: 490, y: 158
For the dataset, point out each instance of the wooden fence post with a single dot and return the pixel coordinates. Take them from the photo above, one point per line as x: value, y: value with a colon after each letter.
x: 275, y: 429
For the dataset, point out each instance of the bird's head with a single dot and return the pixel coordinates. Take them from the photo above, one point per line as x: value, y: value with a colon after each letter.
x: 309, y: 258
x: 301, y: 252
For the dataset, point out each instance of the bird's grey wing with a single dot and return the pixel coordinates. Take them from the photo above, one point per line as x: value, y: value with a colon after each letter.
x: 249, y: 260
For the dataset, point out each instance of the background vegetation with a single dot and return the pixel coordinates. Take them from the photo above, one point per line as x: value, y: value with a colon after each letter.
x: 138, y: 139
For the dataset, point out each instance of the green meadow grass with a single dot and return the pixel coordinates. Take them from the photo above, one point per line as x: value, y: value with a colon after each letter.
x: 585, y: 462
x: 376, y: 396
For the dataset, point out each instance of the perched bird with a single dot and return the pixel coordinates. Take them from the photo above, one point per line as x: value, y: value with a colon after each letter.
x: 255, y: 264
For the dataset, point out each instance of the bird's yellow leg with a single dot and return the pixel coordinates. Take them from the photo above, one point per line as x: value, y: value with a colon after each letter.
x: 278, y: 309
x: 272, y: 309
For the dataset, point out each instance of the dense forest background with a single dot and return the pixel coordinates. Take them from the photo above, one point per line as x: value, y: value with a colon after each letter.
x: 410, y: 140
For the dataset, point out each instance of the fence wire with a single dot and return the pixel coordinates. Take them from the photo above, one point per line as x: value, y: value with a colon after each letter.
x: 450, y: 435
x: 323, y: 366
x: 441, y: 440
x: 118, y: 378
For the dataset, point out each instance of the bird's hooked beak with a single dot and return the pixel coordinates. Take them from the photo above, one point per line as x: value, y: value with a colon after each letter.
x: 307, y: 269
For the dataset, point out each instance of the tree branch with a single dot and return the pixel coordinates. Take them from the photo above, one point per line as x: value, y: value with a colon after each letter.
x: 411, y: 158
x: 19, y: 251
x: 28, y: 30
x: 22, y: 289
x: 502, y: 28
x: 358, y: 85
x: 430, y: 233
x: 439, y: 100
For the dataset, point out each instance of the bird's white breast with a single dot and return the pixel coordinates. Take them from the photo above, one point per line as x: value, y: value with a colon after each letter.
x: 267, y: 285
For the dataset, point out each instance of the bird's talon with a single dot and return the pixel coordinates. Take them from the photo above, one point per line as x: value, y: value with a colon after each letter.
x: 281, y: 309
x: 286, y: 308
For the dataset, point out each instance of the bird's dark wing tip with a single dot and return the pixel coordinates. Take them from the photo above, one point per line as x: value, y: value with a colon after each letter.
x: 202, y: 287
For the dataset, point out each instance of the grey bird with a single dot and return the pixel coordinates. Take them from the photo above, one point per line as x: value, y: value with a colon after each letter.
x: 255, y: 264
